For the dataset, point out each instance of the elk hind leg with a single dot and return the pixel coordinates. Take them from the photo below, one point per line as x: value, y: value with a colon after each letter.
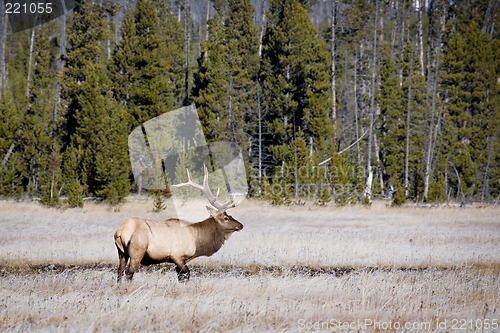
x: 132, y: 268
x: 136, y: 254
x: 123, y: 258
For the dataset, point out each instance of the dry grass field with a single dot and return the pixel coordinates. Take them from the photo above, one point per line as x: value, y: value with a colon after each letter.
x: 291, y: 269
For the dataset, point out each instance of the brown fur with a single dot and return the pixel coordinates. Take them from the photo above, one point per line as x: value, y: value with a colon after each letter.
x: 148, y: 242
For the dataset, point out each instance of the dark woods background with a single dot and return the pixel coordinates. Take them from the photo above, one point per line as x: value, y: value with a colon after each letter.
x: 329, y: 100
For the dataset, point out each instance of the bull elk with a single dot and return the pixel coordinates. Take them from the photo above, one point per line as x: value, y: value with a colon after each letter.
x: 148, y: 242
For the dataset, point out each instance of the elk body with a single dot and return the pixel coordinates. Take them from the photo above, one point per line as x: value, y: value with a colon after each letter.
x: 148, y: 242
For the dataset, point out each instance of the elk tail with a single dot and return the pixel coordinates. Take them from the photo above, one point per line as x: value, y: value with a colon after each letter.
x: 119, y: 242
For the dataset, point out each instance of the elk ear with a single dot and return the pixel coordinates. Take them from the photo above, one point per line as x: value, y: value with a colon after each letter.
x: 212, y: 211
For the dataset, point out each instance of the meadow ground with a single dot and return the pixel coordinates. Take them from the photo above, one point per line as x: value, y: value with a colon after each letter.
x: 290, y: 269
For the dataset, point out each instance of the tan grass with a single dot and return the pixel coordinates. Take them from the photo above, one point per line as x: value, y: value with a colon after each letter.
x: 289, y: 269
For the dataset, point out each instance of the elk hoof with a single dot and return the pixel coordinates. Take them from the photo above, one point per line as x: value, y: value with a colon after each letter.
x: 182, y: 274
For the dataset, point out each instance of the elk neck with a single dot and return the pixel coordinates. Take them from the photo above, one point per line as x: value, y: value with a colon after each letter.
x: 209, y: 237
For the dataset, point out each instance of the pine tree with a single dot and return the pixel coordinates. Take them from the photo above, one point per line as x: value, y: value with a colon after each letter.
x: 37, y: 136
x: 393, y: 126
x: 298, y: 166
x: 211, y: 86
x: 241, y: 57
x: 159, y: 201
x: 12, y: 169
x: 17, y: 67
x: 436, y: 28
x: 15, y: 76
x: 344, y: 179
x: 85, y: 31
x: 295, y: 76
x: 96, y: 160
x: 104, y: 130
x: 71, y: 171
x: 225, y: 87
x: 112, y: 168
x: 464, y: 106
x: 140, y: 66
x: 399, y: 196
x: 490, y: 124
x: 413, y: 86
x: 172, y: 35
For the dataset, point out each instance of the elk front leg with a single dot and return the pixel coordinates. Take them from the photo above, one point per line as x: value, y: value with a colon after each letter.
x: 182, y: 271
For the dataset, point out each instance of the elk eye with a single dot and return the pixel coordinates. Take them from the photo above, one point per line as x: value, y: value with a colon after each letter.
x: 226, y: 218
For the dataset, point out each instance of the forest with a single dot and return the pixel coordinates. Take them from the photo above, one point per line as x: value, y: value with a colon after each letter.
x: 340, y: 101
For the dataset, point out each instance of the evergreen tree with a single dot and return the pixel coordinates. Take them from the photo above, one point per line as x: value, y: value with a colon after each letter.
x: 241, y: 43
x: 295, y: 76
x: 399, y: 196
x: 490, y: 123
x: 413, y: 86
x: 71, y: 171
x: 345, y: 180
x: 298, y: 166
x: 85, y: 31
x: 140, y: 66
x: 393, y: 120
x: 15, y: 99
x: 430, y: 89
x: 461, y: 82
x: 11, y: 170
x: 17, y: 67
x: 225, y: 87
x: 104, y: 129
x: 38, y: 143
x: 172, y: 35
x: 211, y: 86
x: 95, y: 161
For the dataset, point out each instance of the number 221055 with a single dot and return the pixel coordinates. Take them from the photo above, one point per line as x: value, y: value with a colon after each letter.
x: 28, y: 8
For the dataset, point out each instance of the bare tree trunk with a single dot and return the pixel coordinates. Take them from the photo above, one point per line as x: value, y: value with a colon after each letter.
x: 9, y: 152
x: 295, y: 165
x: 207, y: 18
x: 376, y: 149
x: 489, y: 18
x: 421, y: 39
x: 3, y: 39
x: 231, y: 128
x: 259, y: 124
x: 460, y: 188
x: 401, y: 41
x: 408, y: 123
x: 430, y: 149
x: 60, y: 64
x: 30, y: 60
x: 187, y: 13
x: 403, y: 27
x: 485, y: 192
x: 356, y: 117
x: 57, y: 96
x: 259, y: 105
x: 52, y: 185
x: 333, y: 74
x: 431, y: 141
x: 369, y: 171
x: 311, y: 147
x: 261, y: 27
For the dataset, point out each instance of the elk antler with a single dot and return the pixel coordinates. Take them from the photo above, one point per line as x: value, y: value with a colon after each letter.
x: 208, y: 193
